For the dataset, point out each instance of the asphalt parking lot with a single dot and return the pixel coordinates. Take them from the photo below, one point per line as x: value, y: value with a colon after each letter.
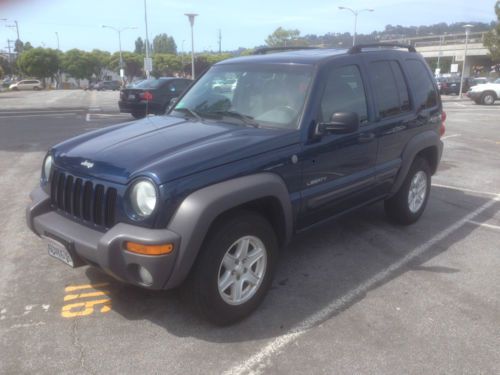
x: 355, y: 296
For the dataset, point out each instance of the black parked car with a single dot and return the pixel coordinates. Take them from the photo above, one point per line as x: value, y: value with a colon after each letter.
x: 107, y: 85
x: 208, y: 195
x: 151, y: 95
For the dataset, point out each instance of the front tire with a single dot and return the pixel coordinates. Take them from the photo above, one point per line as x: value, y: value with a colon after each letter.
x: 138, y: 115
x: 488, y: 98
x: 409, y: 203
x: 234, y: 269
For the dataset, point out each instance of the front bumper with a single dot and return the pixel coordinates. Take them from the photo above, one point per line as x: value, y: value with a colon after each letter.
x: 105, y: 250
x: 474, y: 95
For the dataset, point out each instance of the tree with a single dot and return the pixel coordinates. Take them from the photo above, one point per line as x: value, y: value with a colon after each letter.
x: 283, y: 38
x: 133, y: 64
x: 78, y: 64
x: 166, y: 64
x: 163, y: 43
x: 492, y: 38
x: 4, y: 64
x: 1, y: 72
x: 100, y: 61
x: 139, y: 46
x: 27, y: 46
x: 39, y: 62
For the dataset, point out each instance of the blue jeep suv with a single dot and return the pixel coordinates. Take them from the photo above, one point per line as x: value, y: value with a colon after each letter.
x: 207, y: 195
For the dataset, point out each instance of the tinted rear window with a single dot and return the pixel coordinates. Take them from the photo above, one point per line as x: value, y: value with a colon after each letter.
x: 424, y: 92
x: 149, y: 84
x: 387, y: 92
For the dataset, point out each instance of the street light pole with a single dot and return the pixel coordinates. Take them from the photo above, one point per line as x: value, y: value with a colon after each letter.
x: 57, y: 36
x: 191, y: 17
x: 355, y: 13
x: 119, y: 32
x: 467, y: 31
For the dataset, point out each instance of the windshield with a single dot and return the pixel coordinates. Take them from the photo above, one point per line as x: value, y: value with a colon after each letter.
x: 269, y: 95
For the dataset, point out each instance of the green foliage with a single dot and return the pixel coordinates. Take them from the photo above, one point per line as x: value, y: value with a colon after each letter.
x: 140, y: 47
x: 78, y: 64
x: 4, y: 64
x: 100, y: 61
x: 39, y: 62
x: 492, y: 38
x: 166, y: 64
x: 133, y: 62
x: 163, y: 43
x: 285, y: 38
x: 27, y: 46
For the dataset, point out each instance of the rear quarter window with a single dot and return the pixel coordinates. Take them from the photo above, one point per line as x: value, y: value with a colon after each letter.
x: 424, y: 92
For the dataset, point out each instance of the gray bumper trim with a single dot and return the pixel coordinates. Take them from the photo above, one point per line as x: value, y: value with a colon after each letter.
x: 105, y: 249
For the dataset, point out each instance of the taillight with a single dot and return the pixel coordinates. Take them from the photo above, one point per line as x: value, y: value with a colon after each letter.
x: 442, y: 128
x: 146, y: 96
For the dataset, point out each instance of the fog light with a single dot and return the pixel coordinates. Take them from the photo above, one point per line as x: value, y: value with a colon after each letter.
x: 144, y: 276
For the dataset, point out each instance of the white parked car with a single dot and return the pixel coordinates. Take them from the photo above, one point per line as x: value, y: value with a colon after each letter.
x: 485, y: 93
x: 26, y: 84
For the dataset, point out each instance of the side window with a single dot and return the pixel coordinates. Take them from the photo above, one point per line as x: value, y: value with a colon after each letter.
x: 402, y: 88
x: 386, y: 89
x: 425, y: 93
x: 344, y: 92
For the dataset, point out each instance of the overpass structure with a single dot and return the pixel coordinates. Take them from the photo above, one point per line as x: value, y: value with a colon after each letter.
x: 451, y: 47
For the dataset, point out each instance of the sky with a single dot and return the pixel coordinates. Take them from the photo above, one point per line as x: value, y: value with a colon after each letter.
x: 242, y: 23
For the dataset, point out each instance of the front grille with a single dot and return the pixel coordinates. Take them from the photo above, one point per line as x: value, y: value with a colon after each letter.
x: 84, y: 200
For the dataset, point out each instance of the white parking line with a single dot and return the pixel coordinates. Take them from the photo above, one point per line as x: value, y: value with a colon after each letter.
x: 490, y: 226
x: 465, y: 189
x: 257, y: 362
x: 65, y: 114
x: 451, y: 136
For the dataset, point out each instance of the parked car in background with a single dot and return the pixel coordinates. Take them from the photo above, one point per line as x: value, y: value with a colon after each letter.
x: 486, y: 93
x: 451, y: 86
x: 26, y: 84
x: 107, y: 85
x: 151, y: 95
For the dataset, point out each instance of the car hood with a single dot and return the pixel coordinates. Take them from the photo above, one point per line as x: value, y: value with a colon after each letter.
x: 164, y: 148
x: 486, y: 86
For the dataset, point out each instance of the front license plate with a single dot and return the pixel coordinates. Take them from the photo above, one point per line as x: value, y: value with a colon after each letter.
x: 59, y: 251
x: 131, y: 97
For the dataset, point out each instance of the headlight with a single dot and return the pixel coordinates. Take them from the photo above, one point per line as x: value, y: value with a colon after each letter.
x: 47, y: 167
x: 143, y: 198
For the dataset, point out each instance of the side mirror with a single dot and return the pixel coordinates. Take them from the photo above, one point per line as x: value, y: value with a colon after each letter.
x: 340, y: 123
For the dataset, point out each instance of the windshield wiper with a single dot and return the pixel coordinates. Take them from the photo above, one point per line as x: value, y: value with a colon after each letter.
x: 248, y: 120
x: 190, y: 112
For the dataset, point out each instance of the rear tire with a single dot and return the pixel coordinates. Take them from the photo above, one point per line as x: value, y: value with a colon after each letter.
x: 225, y: 287
x: 138, y: 115
x: 409, y: 203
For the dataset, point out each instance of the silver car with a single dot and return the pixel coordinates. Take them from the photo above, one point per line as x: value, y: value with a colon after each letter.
x: 26, y: 84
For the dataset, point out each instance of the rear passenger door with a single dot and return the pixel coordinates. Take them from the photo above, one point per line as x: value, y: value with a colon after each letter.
x: 393, y: 116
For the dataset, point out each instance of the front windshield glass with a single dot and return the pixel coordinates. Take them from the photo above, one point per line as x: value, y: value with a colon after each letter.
x: 266, y: 95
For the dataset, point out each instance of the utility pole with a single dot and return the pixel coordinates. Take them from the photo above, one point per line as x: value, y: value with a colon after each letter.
x: 148, y: 73
x: 220, y: 42
x: 467, y: 31
x: 57, y: 36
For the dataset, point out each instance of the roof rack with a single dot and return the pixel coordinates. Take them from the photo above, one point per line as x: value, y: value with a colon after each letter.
x: 359, y: 48
x: 265, y: 50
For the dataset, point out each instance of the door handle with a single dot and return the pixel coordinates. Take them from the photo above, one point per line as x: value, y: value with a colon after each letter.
x: 366, y: 137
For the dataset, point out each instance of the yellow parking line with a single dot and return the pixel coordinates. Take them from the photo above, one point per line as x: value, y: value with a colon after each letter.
x: 71, y: 297
x: 86, y: 286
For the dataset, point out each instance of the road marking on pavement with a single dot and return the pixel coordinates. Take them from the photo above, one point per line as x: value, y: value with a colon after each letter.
x: 258, y: 361
x: 65, y: 114
x: 87, y: 307
x: 465, y: 189
x: 490, y: 226
x: 451, y: 136
x: 106, y: 116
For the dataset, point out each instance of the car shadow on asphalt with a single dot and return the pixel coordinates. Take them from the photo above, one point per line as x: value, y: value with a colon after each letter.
x: 318, y: 267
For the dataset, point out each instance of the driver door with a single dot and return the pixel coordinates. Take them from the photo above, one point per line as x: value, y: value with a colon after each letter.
x: 338, y: 170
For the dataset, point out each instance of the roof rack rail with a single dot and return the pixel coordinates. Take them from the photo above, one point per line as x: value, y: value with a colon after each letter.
x: 359, y: 47
x: 265, y: 50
